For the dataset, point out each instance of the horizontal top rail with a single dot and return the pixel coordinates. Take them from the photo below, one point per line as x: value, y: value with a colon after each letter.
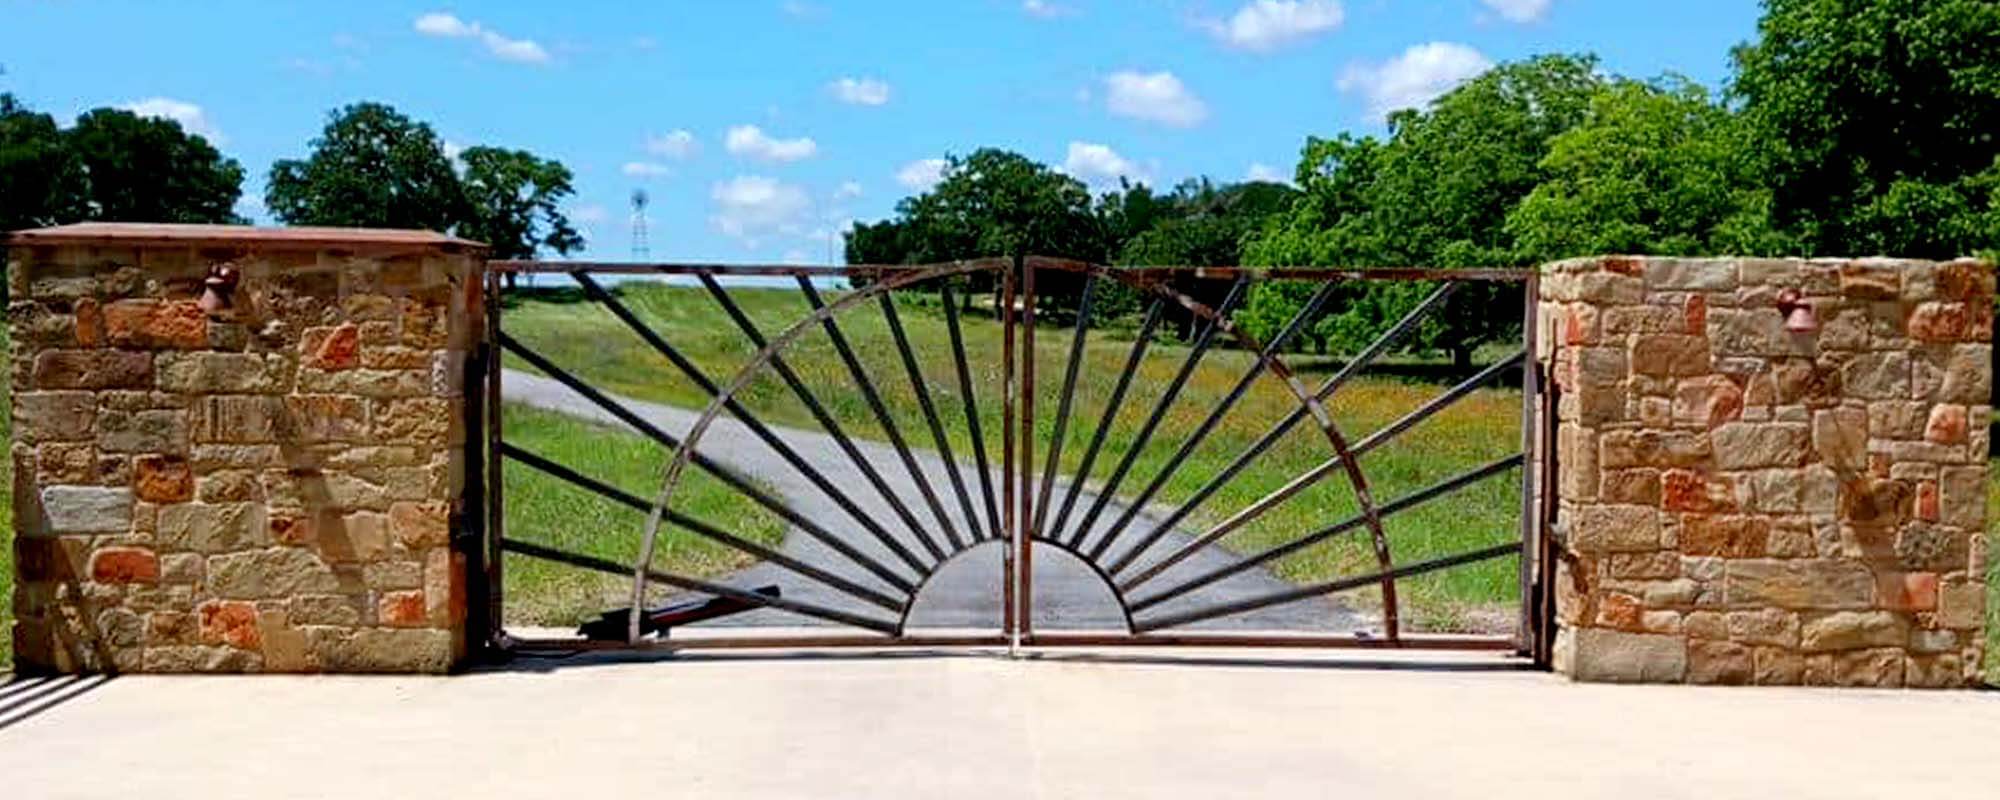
x: 873, y: 270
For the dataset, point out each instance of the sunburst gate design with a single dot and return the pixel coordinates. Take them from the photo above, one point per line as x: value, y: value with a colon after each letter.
x: 885, y: 560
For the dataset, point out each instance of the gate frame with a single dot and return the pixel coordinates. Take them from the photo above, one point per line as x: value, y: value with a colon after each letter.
x: 1536, y: 550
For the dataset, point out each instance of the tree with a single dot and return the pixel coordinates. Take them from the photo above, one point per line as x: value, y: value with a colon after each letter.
x: 41, y: 182
x: 146, y: 169
x: 512, y: 198
x: 1435, y: 193
x: 370, y: 167
x: 1654, y: 168
x: 1880, y: 117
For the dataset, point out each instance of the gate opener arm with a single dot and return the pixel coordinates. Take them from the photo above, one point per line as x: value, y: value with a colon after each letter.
x: 612, y: 625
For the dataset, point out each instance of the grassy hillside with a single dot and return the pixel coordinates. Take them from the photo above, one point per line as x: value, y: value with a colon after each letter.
x: 546, y: 511
x: 586, y: 339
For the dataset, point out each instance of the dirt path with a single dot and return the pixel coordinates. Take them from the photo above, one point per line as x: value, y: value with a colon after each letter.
x: 965, y: 592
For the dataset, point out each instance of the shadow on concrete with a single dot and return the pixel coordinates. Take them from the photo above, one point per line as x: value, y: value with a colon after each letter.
x: 24, y: 697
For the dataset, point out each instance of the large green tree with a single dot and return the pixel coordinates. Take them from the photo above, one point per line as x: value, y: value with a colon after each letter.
x: 1654, y: 168
x: 1882, y: 122
x: 41, y: 181
x: 1435, y: 193
x: 371, y: 167
x: 147, y: 169
x: 514, y: 202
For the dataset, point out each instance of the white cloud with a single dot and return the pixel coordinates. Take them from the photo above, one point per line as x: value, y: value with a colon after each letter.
x: 677, y: 144
x: 1520, y: 10
x: 446, y: 26
x: 191, y: 117
x: 589, y: 214
x: 1098, y: 164
x: 848, y: 190
x: 798, y: 9
x: 796, y: 256
x: 921, y: 175
x: 1260, y: 171
x: 1415, y: 78
x: 751, y: 141
x: 1153, y: 97
x: 645, y: 169
x: 860, y: 91
x: 1265, y: 25
x: 1045, y: 9
x: 453, y: 150
x: 751, y: 206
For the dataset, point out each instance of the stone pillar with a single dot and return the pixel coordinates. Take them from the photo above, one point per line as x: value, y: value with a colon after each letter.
x: 1746, y: 501
x: 267, y: 487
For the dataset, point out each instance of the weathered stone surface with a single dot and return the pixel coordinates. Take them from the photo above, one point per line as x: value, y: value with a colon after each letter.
x: 163, y: 479
x: 1726, y: 663
x: 54, y: 416
x: 1878, y: 376
x: 1800, y: 584
x: 86, y: 509
x: 422, y: 650
x: 124, y: 565
x: 1748, y: 445
x: 92, y: 369
x: 1620, y: 657
x: 1853, y: 630
x: 156, y: 323
x: 206, y: 372
x: 212, y: 528
x: 1840, y: 437
x: 274, y: 573
x: 1601, y: 528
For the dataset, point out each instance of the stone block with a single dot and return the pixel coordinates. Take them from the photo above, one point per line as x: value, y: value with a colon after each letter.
x: 421, y: 650
x: 92, y: 369
x: 223, y: 373
x: 1750, y: 445
x: 1688, y: 273
x: 230, y: 622
x: 62, y: 416
x: 1853, y: 630
x: 213, y: 528
x: 1840, y: 437
x: 1819, y: 583
x: 151, y: 323
x: 275, y: 573
x: 1608, y: 656
x: 124, y: 565
x: 1604, y: 528
x: 86, y: 509
x: 1724, y: 663
x: 331, y: 348
x: 1670, y: 355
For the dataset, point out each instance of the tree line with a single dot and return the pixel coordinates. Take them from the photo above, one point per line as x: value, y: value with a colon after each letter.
x: 1847, y: 127
x: 371, y: 166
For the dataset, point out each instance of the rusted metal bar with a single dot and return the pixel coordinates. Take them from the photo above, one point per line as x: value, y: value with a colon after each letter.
x: 1358, y: 640
x: 1404, y: 503
x: 1524, y: 632
x: 882, y: 416
x: 495, y: 473
x: 1160, y: 407
x: 532, y: 550
x: 778, y: 641
x: 922, y: 390
x: 1078, y: 334
x: 1024, y: 565
x: 832, y: 428
x: 1194, y: 439
x: 1329, y: 587
x: 965, y: 391
x: 1353, y: 367
x: 1436, y: 404
x: 728, y: 476
x: 1009, y: 395
x: 879, y: 271
x: 745, y: 416
x: 1110, y: 417
x: 703, y: 529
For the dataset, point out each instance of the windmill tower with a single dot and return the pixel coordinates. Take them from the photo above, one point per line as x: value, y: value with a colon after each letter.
x: 639, y: 249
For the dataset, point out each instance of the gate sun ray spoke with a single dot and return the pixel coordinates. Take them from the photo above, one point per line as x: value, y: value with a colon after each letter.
x: 722, y: 472
x: 744, y: 415
x: 1257, y: 368
x: 833, y: 429
x: 702, y: 528
x: 889, y: 426
x: 1329, y: 587
x: 1160, y: 407
x: 1112, y: 406
x: 1077, y: 336
x: 971, y: 410
x: 1367, y: 356
x: 922, y: 390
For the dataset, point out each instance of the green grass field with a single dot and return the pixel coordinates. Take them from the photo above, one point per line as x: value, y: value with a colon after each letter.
x: 547, y: 511
x: 586, y: 339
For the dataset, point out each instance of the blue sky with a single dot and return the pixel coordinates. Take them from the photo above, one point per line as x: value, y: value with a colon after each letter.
x: 761, y: 126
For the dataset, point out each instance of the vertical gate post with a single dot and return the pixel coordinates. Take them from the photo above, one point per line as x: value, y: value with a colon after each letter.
x: 1771, y: 471
x: 241, y: 449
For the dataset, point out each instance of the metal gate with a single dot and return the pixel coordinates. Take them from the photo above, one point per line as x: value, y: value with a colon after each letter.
x: 898, y: 467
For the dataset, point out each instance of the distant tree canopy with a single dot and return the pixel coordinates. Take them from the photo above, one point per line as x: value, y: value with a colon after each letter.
x: 374, y: 167
x: 111, y: 165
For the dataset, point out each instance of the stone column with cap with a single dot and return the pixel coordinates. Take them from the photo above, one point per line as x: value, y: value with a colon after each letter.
x: 268, y: 481
x: 1771, y: 471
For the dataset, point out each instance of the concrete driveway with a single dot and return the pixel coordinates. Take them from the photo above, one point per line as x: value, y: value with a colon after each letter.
x: 965, y: 593
x: 1203, y: 724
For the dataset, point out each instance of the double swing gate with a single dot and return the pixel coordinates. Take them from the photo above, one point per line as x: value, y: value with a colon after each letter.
x: 1024, y: 452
